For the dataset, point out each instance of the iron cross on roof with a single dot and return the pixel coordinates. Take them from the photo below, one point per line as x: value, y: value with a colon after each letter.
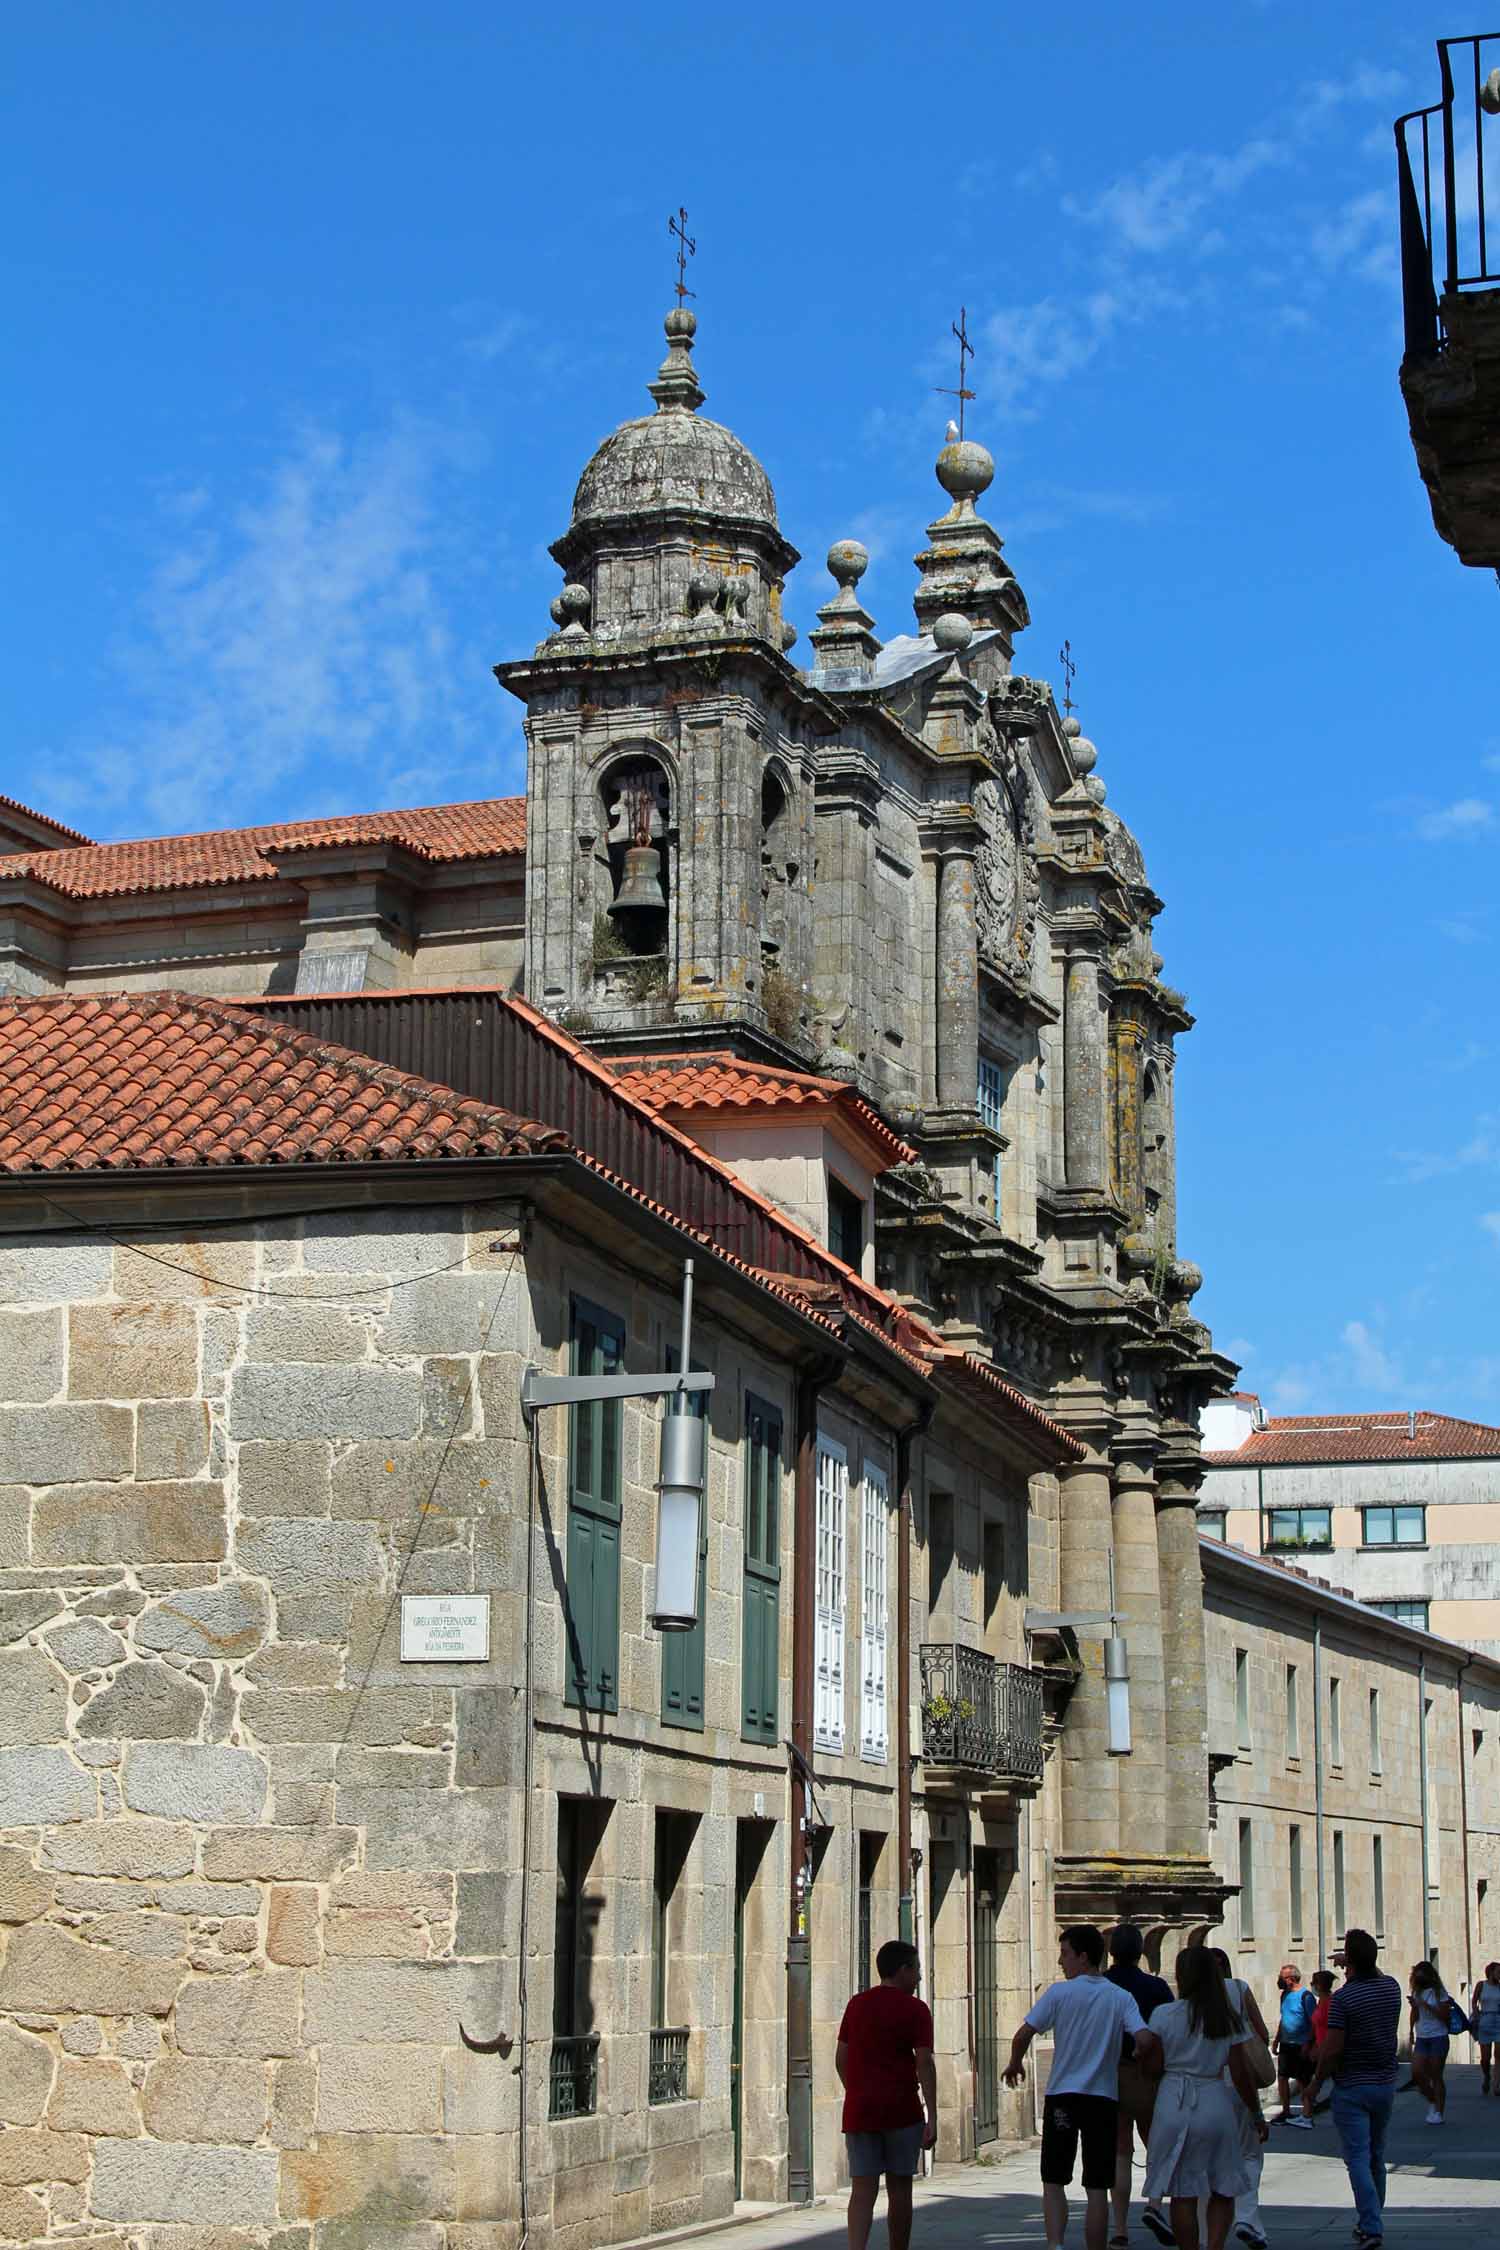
x: 965, y: 354
x: 1070, y: 671
x: 686, y: 248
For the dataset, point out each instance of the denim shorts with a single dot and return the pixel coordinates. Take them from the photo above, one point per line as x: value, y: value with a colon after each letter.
x: 1432, y: 2043
x: 897, y: 2152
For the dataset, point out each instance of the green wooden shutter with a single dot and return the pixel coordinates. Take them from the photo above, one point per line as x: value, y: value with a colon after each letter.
x: 761, y: 1609
x: 593, y: 1596
x: 682, y: 1653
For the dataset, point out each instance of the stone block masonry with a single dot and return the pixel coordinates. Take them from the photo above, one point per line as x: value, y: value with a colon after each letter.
x: 231, y: 1980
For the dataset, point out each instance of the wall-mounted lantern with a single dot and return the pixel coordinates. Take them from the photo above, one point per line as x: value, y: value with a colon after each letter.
x: 679, y: 1508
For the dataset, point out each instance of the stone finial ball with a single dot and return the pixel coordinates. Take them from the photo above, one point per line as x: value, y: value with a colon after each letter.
x: 575, y: 602
x: 952, y: 631
x: 681, y: 326
x: 965, y: 469
x: 703, y: 589
x: 1085, y: 756
x: 848, y: 561
x: 1096, y: 789
x: 1072, y: 728
x: 1185, y: 1278
x: 556, y: 612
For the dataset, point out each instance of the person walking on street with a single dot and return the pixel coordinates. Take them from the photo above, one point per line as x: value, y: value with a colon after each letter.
x: 1293, y: 2039
x: 885, y: 2066
x: 1359, y: 2055
x: 1430, y: 2011
x: 1322, y: 1982
x: 1247, y: 2226
x: 1487, y: 2027
x: 1127, y: 1943
x: 1196, y: 2146
x: 1086, y: 2015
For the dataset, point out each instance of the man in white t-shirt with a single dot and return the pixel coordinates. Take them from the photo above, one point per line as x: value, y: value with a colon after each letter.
x: 1086, y: 2015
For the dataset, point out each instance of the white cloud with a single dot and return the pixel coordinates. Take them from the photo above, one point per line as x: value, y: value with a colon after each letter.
x: 292, y: 635
x: 1158, y: 206
x: 1371, y: 1366
x: 1360, y: 237
x: 1467, y: 816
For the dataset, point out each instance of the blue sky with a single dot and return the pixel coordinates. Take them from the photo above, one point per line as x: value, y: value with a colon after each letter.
x: 316, y: 314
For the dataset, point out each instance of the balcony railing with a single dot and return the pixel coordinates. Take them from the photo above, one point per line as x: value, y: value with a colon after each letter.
x: 1440, y: 156
x: 980, y: 1713
x: 669, y: 2057
x: 574, y: 2079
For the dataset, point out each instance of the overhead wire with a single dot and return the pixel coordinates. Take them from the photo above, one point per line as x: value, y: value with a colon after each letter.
x: 250, y: 1288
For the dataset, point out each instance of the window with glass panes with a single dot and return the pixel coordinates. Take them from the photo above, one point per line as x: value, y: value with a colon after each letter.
x: 1395, y: 1527
x: 761, y: 1607
x: 874, y: 1728
x: 991, y: 1112
x: 831, y: 1598
x: 1299, y: 1527
x: 1405, y: 1613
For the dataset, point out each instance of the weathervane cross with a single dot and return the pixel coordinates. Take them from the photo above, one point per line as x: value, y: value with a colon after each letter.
x: 686, y: 248
x: 1070, y: 670
x: 965, y: 354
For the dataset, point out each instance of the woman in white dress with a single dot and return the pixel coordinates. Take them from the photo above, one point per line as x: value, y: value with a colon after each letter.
x: 1196, y: 2146
x: 1247, y: 2226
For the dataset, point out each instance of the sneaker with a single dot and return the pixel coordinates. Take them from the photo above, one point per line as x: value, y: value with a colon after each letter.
x: 1244, y: 2232
x: 1156, y: 2224
x: 1302, y: 2124
x: 1434, y: 2117
x: 1367, y: 2241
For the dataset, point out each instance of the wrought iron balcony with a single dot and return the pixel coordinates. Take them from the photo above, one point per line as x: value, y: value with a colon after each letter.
x: 1449, y: 211
x: 574, y: 2077
x: 980, y: 1714
x: 668, y: 2079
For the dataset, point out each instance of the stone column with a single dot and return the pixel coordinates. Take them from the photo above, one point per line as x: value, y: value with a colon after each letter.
x: 1084, y: 1074
x: 1090, y: 1776
x: 957, y: 985
x: 1184, y: 1661
x: 1127, y: 1041
x: 1143, y: 1815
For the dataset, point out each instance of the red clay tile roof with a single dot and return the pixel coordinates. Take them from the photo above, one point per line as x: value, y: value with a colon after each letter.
x: 42, y: 820
x: 490, y: 828
x: 162, y: 1080
x: 1286, y: 1438
x: 693, y: 1086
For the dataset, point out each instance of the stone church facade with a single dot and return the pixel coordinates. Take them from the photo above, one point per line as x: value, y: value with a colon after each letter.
x: 839, y: 977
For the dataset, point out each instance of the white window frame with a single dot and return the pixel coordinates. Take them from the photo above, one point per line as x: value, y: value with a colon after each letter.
x: 832, y: 1595
x: 994, y: 1077
x: 874, y: 1616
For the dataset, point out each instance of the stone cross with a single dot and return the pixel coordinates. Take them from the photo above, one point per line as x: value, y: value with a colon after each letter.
x: 686, y: 248
x: 965, y: 354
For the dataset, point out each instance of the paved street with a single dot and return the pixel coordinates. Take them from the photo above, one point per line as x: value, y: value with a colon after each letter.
x: 1444, y: 2190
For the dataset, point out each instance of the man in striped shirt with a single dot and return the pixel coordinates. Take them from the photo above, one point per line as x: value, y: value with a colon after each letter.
x: 1359, y: 2055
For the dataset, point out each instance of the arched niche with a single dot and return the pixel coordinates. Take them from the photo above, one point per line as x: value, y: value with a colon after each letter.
x: 633, y: 870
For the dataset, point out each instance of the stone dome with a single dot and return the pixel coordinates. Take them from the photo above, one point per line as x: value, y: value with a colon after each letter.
x: 674, y: 460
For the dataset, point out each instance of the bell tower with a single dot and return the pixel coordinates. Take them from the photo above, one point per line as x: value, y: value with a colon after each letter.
x: 669, y: 787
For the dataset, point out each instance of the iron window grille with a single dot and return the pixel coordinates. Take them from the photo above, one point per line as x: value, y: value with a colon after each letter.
x: 574, y: 2077
x: 668, y: 2080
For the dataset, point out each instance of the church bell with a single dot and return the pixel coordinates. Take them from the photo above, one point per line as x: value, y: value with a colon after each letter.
x: 640, y: 890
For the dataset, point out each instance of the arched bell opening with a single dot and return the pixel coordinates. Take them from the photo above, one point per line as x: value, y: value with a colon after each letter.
x: 637, y: 819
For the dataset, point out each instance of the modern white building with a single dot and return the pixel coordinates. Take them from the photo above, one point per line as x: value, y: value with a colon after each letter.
x: 1401, y: 1510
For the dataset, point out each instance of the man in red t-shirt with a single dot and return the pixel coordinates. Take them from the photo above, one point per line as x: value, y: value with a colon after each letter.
x: 884, y: 2062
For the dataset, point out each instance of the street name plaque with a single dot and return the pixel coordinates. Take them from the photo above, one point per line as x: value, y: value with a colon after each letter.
x: 445, y: 1628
